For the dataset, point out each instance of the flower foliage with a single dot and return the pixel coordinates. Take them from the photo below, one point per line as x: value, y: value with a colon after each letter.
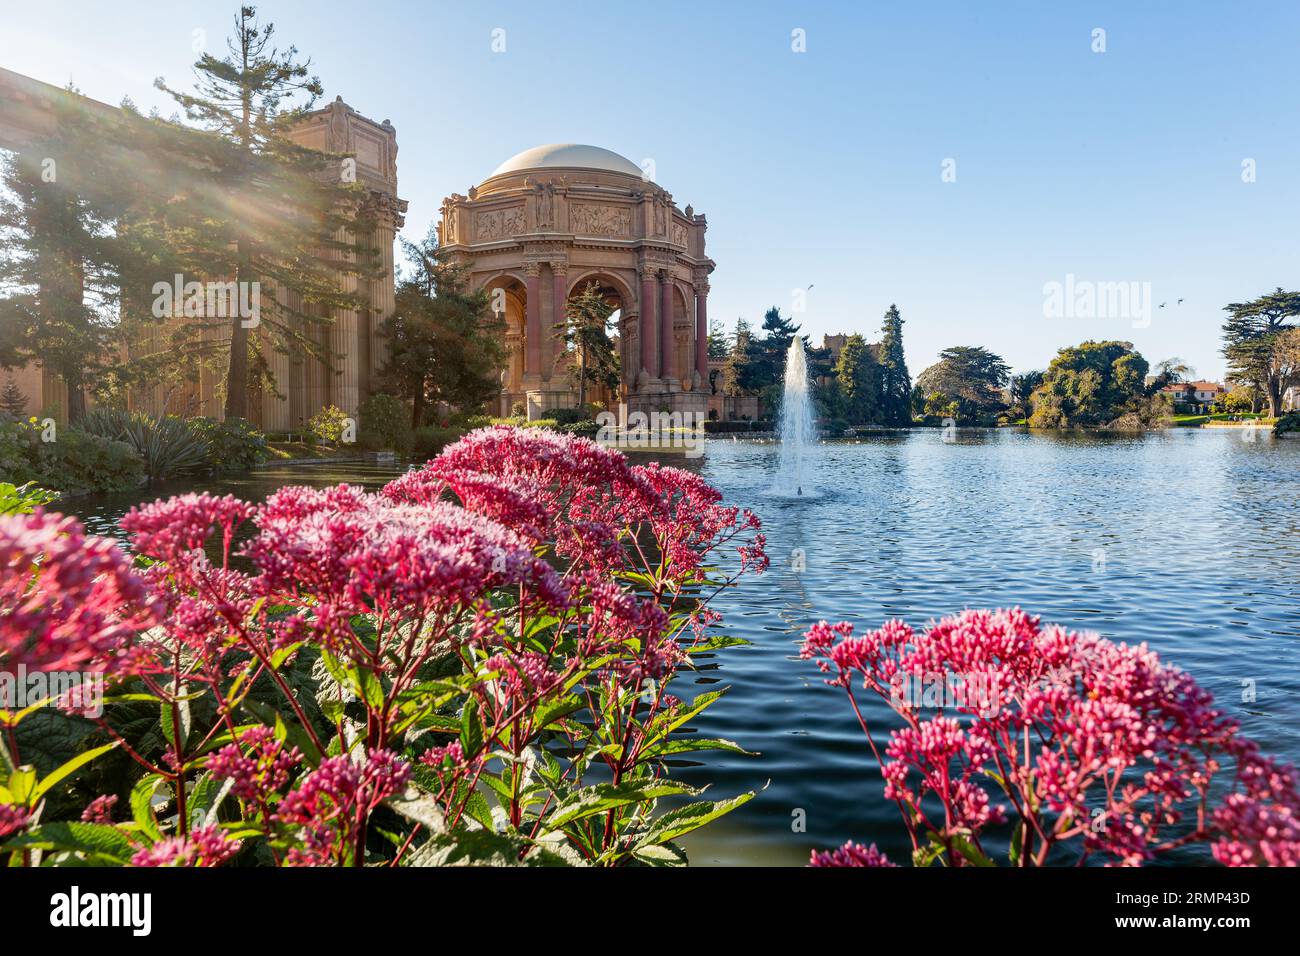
x: 470, y: 664
x: 1062, y: 746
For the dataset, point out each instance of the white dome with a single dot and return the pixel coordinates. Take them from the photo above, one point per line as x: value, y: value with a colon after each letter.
x: 569, y: 155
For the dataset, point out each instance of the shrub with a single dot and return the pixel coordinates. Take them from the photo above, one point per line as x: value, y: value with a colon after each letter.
x: 385, y: 424
x: 1099, y: 751
x: 472, y: 665
x: 431, y: 439
x: 167, y: 446
x: 234, y: 445
x: 328, y: 425
x: 73, y: 462
x: 1289, y: 422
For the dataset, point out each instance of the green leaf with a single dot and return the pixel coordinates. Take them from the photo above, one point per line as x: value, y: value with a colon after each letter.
x: 471, y: 729
x: 683, y: 820
x: 970, y: 851
x: 69, y: 768
x: 21, y: 785
x: 207, y: 795
x: 287, y: 730
x: 142, y: 805
x: 553, y: 710
x: 588, y: 801
x: 419, y: 809
x: 689, y: 746
x: 668, y: 854
x: 482, y: 848
x: 477, y: 809
x: 99, y: 842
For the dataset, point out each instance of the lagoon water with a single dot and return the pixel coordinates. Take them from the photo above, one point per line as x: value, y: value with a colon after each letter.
x: 1186, y: 539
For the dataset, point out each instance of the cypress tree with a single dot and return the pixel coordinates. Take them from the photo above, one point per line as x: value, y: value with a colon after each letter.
x: 895, y: 382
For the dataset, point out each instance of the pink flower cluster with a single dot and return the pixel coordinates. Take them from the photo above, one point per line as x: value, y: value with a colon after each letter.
x: 70, y: 601
x: 552, y: 572
x: 1096, y: 748
x: 205, y: 846
x: 325, y: 810
x: 850, y: 854
x: 258, y: 766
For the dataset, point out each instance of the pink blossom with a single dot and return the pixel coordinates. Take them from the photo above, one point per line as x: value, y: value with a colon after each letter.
x: 1095, y: 745
x: 100, y: 810
x: 205, y: 846
x: 851, y: 854
x: 258, y: 765
x: 67, y: 600
x: 12, y: 819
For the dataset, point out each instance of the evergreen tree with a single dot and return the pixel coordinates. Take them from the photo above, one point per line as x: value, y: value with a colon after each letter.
x: 895, y: 382
x: 586, y: 331
x: 445, y: 345
x: 1250, y: 336
x: 59, y: 257
x: 262, y: 209
x: 970, y: 379
x: 719, y: 346
x: 1096, y: 383
x: 1022, y: 391
x: 739, y: 374
x: 857, y: 375
x: 12, y: 400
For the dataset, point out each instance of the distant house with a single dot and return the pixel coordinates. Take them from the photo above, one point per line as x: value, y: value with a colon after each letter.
x: 1195, y: 398
x: 1291, y: 399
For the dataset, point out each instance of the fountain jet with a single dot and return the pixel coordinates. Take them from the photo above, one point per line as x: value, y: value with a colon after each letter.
x: 796, y: 425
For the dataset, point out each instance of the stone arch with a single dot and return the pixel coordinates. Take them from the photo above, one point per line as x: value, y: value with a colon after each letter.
x: 516, y: 303
x: 683, y: 337
x: 618, y: 293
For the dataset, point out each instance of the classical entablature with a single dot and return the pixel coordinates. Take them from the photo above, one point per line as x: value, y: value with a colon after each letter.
x: 554, y: 219
x: 28, y: 111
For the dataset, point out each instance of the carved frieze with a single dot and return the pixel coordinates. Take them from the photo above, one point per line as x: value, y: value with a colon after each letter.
x: 492, y: 224
x: 594, y: 219
x: 679, y: 234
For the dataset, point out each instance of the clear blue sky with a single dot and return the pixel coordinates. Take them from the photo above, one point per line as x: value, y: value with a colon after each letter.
x: 823, y: 168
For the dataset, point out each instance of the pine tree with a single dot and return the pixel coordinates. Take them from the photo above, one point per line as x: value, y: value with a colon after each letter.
x: 1250, y: 336
x: 718, y: 343
x: 59, y: 252
x: 895, y: 382
x: 586, y: 331
x: 857, y: 375
x: 445, y: 345
x: 740, y: 373
x: 260, y: 208
x: 12, y: 400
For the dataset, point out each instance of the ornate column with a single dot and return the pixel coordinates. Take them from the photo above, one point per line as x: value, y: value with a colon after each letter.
x: 647, y: 334
x: 533, y: 322
x: 559, y: 301
x: 666, y: 344
x: 391, y: 218
x: 701, y: 333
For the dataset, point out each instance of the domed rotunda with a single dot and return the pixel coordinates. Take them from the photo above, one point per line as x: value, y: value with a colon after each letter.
x: 552, y: 220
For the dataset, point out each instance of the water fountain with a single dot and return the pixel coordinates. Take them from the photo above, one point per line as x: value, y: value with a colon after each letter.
x: 798, y: 436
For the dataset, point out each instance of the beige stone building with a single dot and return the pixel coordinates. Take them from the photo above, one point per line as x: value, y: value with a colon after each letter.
x: 550, y: 221
x: 305, y: 383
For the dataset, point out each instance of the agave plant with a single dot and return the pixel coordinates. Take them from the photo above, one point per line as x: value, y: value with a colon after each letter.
x: 167, y: 445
